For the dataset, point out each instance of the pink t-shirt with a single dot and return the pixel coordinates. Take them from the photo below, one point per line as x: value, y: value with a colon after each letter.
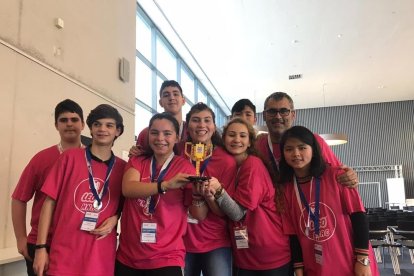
x: 211, y: 233
x: 31, y: 182
x: 263, y: 148
x: 268, y: 247
x: 170, y: 215
x: 337, y: 203
x: 74, y: 251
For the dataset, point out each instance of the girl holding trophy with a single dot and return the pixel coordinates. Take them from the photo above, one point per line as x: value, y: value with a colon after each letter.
x: 154, y: 218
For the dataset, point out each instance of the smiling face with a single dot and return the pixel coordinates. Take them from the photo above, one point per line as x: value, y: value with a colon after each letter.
x: 104, y: 132
x: 172, y: 100
x: 298, y: 155
x: 70, y: 126
x: 279, y: 116
x: 162, y: 137
x: 237, y: 141
x: 201, y: 127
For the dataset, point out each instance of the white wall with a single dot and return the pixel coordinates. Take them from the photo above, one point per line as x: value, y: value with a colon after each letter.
x: 34, y: 77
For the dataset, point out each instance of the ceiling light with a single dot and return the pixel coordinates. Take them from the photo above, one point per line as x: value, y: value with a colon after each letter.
x: 335, y: 138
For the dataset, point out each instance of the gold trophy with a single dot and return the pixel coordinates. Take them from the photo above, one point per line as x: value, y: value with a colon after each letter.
x: 198, y: 153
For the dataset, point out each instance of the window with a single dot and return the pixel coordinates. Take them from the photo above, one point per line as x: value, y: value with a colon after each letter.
x: 187, y: 84
x: 166, y: 61
x: 143, y: 82
x: 143, y: 37
x: 156, y: 61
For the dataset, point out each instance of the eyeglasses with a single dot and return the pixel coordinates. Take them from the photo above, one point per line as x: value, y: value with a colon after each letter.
x: 272, y: 112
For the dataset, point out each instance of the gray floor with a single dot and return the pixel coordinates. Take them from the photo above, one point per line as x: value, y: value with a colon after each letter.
x: 406, y: 267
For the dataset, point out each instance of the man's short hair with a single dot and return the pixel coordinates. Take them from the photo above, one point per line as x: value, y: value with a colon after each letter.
x: 278, y: 96
x: 68, y: 106
x: 241, y: 104
x: 105, y: 111
x: 172, y: 83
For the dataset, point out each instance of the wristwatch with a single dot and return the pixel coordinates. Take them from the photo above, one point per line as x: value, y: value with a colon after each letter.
x: 363, y: 261
x: 219, y: 192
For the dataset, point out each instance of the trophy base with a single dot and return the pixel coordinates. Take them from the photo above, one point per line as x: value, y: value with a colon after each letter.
x: 194, y: 178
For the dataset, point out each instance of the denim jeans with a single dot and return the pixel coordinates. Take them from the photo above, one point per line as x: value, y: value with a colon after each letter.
x: 217, y: 262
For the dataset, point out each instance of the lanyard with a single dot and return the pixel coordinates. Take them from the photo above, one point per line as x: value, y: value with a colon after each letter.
x: 98, y: 197
x: 160, y: 177
x: 299, y: 194
x: 272, y: 158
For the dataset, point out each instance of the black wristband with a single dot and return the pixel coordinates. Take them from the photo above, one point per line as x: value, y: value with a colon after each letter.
x: 40, y: 246
x: 159, y: 187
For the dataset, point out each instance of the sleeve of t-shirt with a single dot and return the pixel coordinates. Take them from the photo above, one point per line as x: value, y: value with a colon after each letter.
x: 250, y: 182
x: 56, y: 178
x: 351, y: 200
x: 327, y: 153
x: 28, y: 181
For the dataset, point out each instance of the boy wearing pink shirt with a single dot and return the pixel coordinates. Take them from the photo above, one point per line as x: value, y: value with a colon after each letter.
x: 69, y: 123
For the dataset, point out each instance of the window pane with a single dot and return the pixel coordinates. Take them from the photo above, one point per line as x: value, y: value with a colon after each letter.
x: 142, y: 118
x: 159, y: 83
x: 202, y: 97
x: 187, y: 84
x: 143, y: 37
x: 143, y: 91
x: 166, y: 61
x: 186, y: 109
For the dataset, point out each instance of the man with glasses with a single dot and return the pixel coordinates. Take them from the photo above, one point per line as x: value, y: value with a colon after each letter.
x: 279, y: 115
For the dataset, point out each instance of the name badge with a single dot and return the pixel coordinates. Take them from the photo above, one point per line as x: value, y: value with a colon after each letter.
x: 318, y: 253
x: 89, y: 221
x: 241, y: 237
x: 148, y: 232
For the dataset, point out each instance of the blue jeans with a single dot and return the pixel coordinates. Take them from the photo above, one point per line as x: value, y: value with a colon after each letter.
x: 217, y: 262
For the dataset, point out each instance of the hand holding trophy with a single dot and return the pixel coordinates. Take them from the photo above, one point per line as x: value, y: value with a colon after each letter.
x: 198, y: 153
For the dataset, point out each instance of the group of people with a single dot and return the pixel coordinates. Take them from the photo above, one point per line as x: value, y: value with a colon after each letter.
x: 192, y: 199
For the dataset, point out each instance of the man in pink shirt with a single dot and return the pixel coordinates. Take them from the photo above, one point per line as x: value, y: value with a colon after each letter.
x: 279, y: 114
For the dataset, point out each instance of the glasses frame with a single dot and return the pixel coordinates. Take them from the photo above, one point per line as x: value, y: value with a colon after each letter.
x: 284, y: 112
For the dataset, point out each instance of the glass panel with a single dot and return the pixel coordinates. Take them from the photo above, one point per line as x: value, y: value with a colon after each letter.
x: 186, y: 109
x: 143, y: 87
x: 159, y: 83
x: 143, y: 37
x: 142, y: 118
x: 202, y: 97
x: 187, y: 84
x: 166, y: 61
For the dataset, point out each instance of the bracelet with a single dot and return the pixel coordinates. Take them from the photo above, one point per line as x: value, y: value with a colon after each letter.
x: 40, y: 246
x: 160, y: 189
x: 198, y: 203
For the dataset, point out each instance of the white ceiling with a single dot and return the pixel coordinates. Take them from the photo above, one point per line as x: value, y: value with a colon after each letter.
x: 348, y: 51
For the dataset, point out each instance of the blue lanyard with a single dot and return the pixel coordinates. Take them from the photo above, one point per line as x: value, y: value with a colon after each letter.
x: 91, y: 178
x: 160, y: 178
x: 314, y: 216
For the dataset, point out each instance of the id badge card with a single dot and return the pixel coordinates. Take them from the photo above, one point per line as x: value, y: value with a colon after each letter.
x: 149, y: 232
x: 89, y: 221
x: 241, y: 237
x: 318, y: 253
